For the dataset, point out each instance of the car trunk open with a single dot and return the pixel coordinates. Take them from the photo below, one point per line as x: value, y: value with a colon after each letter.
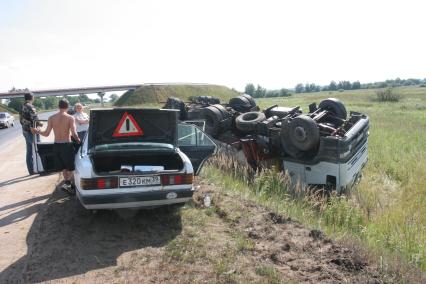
x: 135, y: 158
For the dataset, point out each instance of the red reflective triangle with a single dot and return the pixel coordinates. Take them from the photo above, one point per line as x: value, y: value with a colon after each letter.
x: 127, y: 127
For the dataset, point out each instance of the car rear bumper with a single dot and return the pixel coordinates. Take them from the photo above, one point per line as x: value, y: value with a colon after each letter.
x: 135, y: 200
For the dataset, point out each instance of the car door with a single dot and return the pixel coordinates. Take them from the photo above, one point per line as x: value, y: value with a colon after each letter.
x: 196, y: 144
x: 43, y: 156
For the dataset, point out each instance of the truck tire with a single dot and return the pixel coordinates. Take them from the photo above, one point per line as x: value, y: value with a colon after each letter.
x: 240, y: 104
x: 213, y: 117
x: 247, y: 122
x: 335, y: 106
x: 225, y: 123
x: 303, y: 133
x: 250, y: 99
x: 176, y: 103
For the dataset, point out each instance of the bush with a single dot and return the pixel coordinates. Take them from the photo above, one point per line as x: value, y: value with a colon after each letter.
x: 422, y: 86
x: 387, y: 95
x: 341, y: 90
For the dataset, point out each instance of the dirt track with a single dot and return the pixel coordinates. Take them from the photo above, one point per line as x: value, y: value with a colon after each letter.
x: 50, y: 237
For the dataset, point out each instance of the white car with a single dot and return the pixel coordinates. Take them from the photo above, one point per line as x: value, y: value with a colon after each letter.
x: 6, y: 120
x: 134, y: 158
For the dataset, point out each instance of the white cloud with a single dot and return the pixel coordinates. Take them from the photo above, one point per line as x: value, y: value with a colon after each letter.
x: 47, y: 44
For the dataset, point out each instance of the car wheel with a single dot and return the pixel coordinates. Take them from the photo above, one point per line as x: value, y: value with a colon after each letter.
x: 304, y: 133
x: 247, y: 122
x: 335, y: 106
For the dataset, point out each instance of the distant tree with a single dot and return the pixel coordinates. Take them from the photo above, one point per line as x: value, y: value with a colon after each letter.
x: 299, y: 88
x: 38, y: 104
x: 16, y: 104
x: 284, y: 93
x: 332, y: 86
x: 50, y: 102
x: 84, y: 98
x: 356, y: 85
x: 307, y: 88
x: 101, y: 96
x: 113, y: 98
x: 96, y: 101
x: 250, y: 89
x: 260, y: 92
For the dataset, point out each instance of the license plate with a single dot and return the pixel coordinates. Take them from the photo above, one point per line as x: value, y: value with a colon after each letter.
x: 139, y: 181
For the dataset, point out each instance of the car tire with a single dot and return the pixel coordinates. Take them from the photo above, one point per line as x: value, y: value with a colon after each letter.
x: 247, y: 122
x: 304, y: 133
x: 240, y: 104
x: 213, y: 117
x: 335, y: 106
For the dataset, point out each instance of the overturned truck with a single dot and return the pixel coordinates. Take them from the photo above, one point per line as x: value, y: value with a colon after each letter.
x: 325, y: 147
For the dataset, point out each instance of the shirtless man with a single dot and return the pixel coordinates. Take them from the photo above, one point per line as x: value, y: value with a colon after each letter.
x: 63, y: 125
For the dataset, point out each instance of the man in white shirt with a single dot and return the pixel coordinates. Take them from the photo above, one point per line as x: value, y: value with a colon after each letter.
x: 81, y: 121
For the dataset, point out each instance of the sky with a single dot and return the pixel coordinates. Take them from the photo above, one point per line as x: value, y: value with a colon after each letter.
x: 73, y: 43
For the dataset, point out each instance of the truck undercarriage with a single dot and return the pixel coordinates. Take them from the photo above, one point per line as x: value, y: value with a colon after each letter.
x: 324, y: 147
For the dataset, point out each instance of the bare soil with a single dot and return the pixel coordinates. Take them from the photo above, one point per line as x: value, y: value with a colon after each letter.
x: 45, y: 235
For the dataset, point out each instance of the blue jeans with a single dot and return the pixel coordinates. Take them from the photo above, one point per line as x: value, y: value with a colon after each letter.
x: 29, y: 138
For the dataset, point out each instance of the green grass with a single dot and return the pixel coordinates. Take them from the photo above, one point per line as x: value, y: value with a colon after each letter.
x: 386, y: 211
x: 4, y: 108
x: 158, y: 94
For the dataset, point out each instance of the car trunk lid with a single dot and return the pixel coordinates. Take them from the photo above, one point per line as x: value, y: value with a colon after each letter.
x: 129, y: 125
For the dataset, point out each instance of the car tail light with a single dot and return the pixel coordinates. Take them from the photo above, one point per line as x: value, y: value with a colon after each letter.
x: 177, y: 179
x: 98, y: 183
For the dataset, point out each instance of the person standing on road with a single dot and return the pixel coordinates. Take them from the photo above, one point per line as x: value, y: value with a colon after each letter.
x: 81, y: 120
x: 63, y: 126
x: 27, y: 117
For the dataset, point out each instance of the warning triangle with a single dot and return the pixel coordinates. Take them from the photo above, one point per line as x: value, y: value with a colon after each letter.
x: 127, y: 127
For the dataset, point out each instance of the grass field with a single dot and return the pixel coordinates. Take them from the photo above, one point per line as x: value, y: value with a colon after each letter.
x: 6, y: 109
x: 386, y: 211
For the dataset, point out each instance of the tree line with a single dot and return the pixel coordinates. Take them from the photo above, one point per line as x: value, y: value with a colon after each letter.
x: 260, y: 92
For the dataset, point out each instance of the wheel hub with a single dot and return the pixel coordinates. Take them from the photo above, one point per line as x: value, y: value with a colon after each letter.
x: 300, y: 133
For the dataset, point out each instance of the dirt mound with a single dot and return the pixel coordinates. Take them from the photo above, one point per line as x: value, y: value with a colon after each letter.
x: 158, y: 94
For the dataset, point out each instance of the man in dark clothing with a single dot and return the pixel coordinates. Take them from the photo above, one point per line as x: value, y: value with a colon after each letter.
x: 27, y: 116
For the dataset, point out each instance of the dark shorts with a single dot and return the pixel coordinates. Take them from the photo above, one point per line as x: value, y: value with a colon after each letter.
x: 64, y: 155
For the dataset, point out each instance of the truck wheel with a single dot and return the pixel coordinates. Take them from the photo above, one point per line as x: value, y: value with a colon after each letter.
x: 247, y: 122
x: 213, y: 117
x: 335, y: 106
x: 225, y: 123
x: 240, y: 104
x: 176, y: 103
x: 222, y: 109
x: 250, y: 99
x: 304, y: 133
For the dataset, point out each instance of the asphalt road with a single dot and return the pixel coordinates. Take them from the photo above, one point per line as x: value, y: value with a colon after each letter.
x: 9, y: 134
